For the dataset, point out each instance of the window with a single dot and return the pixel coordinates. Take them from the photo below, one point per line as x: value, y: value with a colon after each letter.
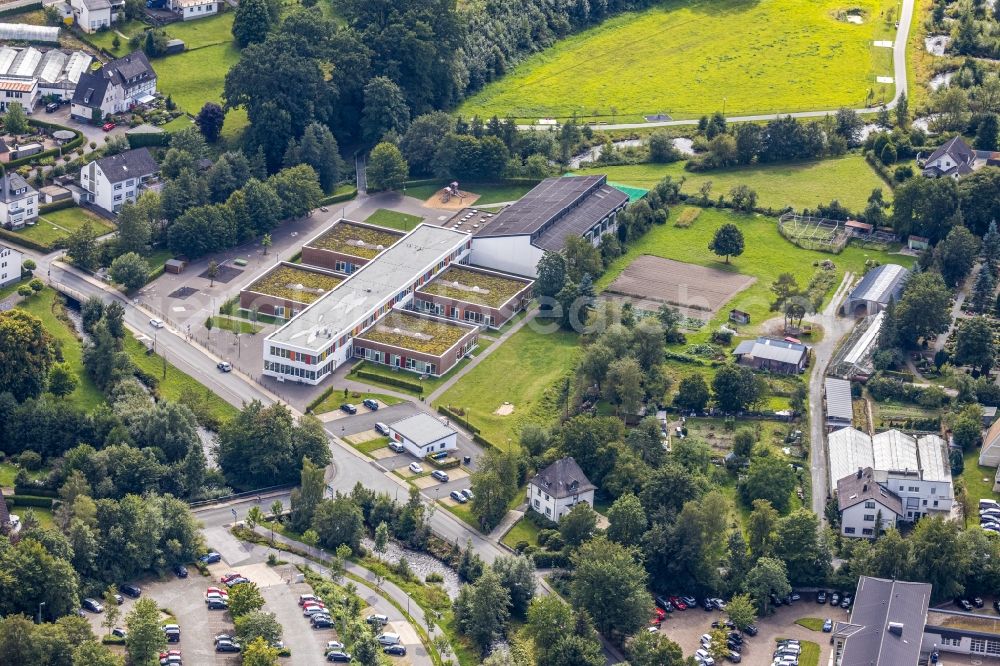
x: 935, y: 502
x: 118, y: 197
x: 849, y: 530
x: 869, y: 505
x: 536, y: 503
x: 867, y: 531
x: 978, y: 646
x: 949, y: 641
x: 118, y: 186
x: 869, y: 517
x: 548, y: 511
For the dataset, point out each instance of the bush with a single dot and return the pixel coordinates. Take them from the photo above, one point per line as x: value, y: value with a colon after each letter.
x: 391, y: 381
x: 30, y: 460
x: 544, y: 536
x: 434, y: 577
x: 30, y: 500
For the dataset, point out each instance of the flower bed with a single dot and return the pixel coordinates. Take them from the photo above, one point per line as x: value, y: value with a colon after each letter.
x: 463, y: 284
x: 356, y: 240
x: 296, y: 284
x: 407, y: 331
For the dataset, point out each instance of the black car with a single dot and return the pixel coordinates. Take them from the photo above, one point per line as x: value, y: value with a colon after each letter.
x: 821, y: 597
x: 751, y: 630
x: 119, y: 632
x: 173, y: 636
x: 227, y: 646
x: 735, y: 657
x: 216, y: 604
x: 662, y: 602
x: 707, y: 605
x: 181, y: 571
x: 370, y: 404
x: 776, y: 600
x: 339, y: 656
x: 130, y: 590
x: 996, y: 605
x: 977, y: 602
x: 51, y: 107
x: 734, y: 636
x: 733, y: 645
x: 395, y: 650
x: 963, y: 604
x: 93, y: 605
x: 348, y: 408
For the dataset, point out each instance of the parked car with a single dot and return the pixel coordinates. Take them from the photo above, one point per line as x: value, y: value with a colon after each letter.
x: 226, y: 577
x: 233, y: 582
x: 303, y: 598
x: 224, y: 637
x: 996, y: 605
x: 119, y: 632
x: 51, y: 107
x: 416, y: 468
x: 664, y: 603
x: 313, y: 610
x: 130, y: 589
x: 440, y: 475
x: 396, y: 446
x: 382, y: 429
x: 690, y: 601
x: 821, y: 597
x: 828, y: 625
x: 467, y: 493
x: 835, y: 599
x: 376, y: 618
x: 678, y: 603
x: 707, y: 605
x: 977, y: 602
x: 387, y: 638
x: 156, y: 323
x: 93, y: 605
x: 224, y: 366
x: 170, y: 657
x: 458, y: 497
x: 107, y: 127
x: 751, y: 630
x: 963, y: 604
x: 181, y: 571
x: 370, y: 404
x: 339, y: 656
x: 217, y: 604
x: 719, y: 604
x: 734, y: 657
x: 227, y: 646
x: 395, y: 650
x: 321, y: 622
x: 348, y: 408
x: 173, y: 635
x: 210, y: 558
x: 334, y: 645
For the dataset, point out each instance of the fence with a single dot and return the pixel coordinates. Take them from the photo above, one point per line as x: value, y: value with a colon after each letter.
x: 814, y: 233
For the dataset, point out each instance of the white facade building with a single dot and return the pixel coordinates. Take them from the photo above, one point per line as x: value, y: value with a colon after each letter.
x: 862, y: 500
x: 114, y: 88
x: 10, y: 268
x: 92, y: 15
x: 18, y: 202
x: 111, y: 181
x: 555, y: 490
x: 194, y: 9
x: 423, y: 435
x: 21, y: 90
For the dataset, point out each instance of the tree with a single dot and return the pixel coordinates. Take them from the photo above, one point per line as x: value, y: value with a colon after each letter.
x: 130, y: 270
x: 735, y: 388
x: 937, y: 556
x: 26, y: 348
x: 307, y: 496
x: 92, y: 653
x: 848, y: 124
x: 987, y: 133
x: 902, y: 111
x: 81, y: 245
x: 661, y: 148
x: 967, y: 428
x: 768, y: 478
x: 875, y: 208
x: 766, y: 578
x: 111, y: 610
x: 653, y: 649
x: 381, y: 538
x: 211, y: 118
x: 578, y: 524
x: 627, y: 521
x: 924, y: 308
x: 956, y: 255
x: 974, y: 344
x: 623, y: 385
x: 15, y: 121
x: 983, y: 288
x: 482, y: 610
x: 318, y: 148
x: 144, y: 637
x: 258, y: 624
x: 551, y: 272
x: 62, y: 380
x: 761, y: 528
x: 692, y: 393
x: 741, y: 611
x: 339, y: 521
x: 244, y: 598
x: 799, y: 547
x: 133, y: 229
x: 494, y: 484
x: 252, y: 23
x: 385, y: 109
x: 517, y: 576
x: 610, y: 584
x: 549, y: 619
x: 991, y: 246
x: 387, y: 170
x: 213, y: 271
x: 259, y: 653
x: 582, y: 258
x: 420, y: 142
x: 727, y: 242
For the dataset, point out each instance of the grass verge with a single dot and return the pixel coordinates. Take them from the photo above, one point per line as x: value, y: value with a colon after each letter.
x: 523, y: 530
x: 57, y: 225
x: 811, y: 623
x: 336, y: 399
x: 393, y: 219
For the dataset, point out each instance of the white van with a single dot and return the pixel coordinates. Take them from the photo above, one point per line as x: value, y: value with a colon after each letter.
x: 388, y: 639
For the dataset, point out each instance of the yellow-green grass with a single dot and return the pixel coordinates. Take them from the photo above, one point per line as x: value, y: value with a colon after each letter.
x: 463, y: 284
x: 766, y: 255
x: 531, y: 364
x: 8, y: 472
x: 428, y: 385
x: 234, y: 324
x: 44, y: 305
x: 284, y: 281
x: 333, y: 401
x: 176, y: 385
x: 848, y: 179
x: 57, y: 225
x: 811, y: 623
x: 204, y: 32
x: 195, y: 77
x: 523, y: 530
x: 370, y: 445
x: 343, y: 237
x: 978, y: 480
x: 489, y: 193
x: 105, y: 39
x: 43, y: 515
x: 688, y: 58
x: 394, y: 219
x: 810, y: 653
x: 408, y: 331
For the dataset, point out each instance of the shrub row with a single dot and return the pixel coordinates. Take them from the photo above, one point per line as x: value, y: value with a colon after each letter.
x: 547, y: 560
x: 391, y: 381
x: 56, y: 205
x: 479, y: 439
x: 18, y: 239
x: 460, y: 420
x: 70, y: 145
x: 33, y: 490
x: 445, y: 463
x: 335, y: 198
x: 29, y: 500
x: 147, y: 140
x: 322, y: 396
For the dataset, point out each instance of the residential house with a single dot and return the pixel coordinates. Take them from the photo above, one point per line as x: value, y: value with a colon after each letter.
x: 774, y: 355
x: 92, y: 15
x: 18, y: 202
x: 21, y: 90
x: 952, y: 160
x: 886, y: 625
x: 423, y: 435
x: 114, y: 88
x: 862, y: 501
x: 879, y: 286
x: 558, y: 488
x: 10, y: 265
x: 194, y: 9
x: 111, y: 181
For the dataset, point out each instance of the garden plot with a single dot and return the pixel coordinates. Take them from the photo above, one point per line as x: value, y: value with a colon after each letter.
x: 697, y: 291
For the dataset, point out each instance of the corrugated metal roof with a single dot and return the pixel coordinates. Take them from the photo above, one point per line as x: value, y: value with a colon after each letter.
x: 838, y: 399
x: 26, y: 62
x: 772, y: 349
x: 895, y: 452
x: 880, y: 283
x: 849, y: 450
x: 7, y: 56
x: 934, y: 463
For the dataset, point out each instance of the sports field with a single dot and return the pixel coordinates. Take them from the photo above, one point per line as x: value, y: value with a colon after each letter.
x: 691, y: 57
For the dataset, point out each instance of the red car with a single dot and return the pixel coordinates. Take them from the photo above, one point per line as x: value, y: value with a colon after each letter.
x: 107, y: 127
x: 229, y: 576
x: 658, y: 617
x: 678, y: 604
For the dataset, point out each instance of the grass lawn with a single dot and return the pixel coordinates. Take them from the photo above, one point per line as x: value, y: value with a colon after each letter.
x: 810, y: 654
x: 195, y: 77
x: 523, y: 530
x: 43, y: 515
x: 762, y: 56
x: 766, y: 255
x: 8, y: 472
x: 44, y: 305
x: 217, y: 29
x: 175, y: 385
x: 800, y: 185
x: 489, y: 193
x: 429, y: 385
x: 234, y: 325
x: 393, y: 220
x: 811, y: 623
x: 336, y: 399
x: 531, y: 364
x: 371, y: 445
x: 55, y: 226
x: 464, y: 513
x: 978, y: 480
x: 106, y: 38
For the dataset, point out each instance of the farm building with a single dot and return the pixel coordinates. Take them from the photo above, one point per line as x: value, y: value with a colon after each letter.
x: 286, y: 289
x: 555, y: 490
x: 876, y: 289
x: 419, y: 343
x: 422, y: 435
x: 474, y: 295
x: 839, y: 409
x: 854, y: 358
x: 773, y: 355
x: 347, y: 245
x: 316, y: 341
x: 557, y: 208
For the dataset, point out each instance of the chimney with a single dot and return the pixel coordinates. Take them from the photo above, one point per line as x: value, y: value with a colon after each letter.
x: 859, y: 472
x: 896, y: 628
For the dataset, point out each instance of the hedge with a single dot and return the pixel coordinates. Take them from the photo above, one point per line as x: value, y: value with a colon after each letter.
x: 34, y: 491
x: 18, y: 239
x: 23, y: 8
x: 336, y: 198
x: 391, y: 381
x: 460, y: 420
x: 67, y: 147
x: 322, y: 396
x: 446, y: 463
x: 57, y: 205
x: 479, y: 439
x: 29, y: 500
x: 149, y: 139
x: 546, y: 560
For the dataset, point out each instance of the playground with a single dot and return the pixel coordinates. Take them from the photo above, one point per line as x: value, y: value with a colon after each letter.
x: 451, y: 197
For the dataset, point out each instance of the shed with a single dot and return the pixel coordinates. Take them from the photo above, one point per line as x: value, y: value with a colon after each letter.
x: 174, y: 266
x: 53, y: 193
x: 918, y: 242
x: 879, y: 286
x: 858, y: 228
x: 839, y: 407
x: 739, y: 317
x: 174, y: 46
x: 989, y: 415
x: 422, y: 435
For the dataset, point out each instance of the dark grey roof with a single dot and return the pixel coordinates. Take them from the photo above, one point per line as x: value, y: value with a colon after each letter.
x: 11, y: 183
x: 957, y: 149
x: 130, y: 164
x: 772, y: 349
x: 90, y: 90
x: 880, y: 284
x: 861, y: 487
x: 129, y: 70
x: 563, y: 478
x: 878, y: 604
x: 838, y: 399
x: 4, y: 513
x: 557, y: 208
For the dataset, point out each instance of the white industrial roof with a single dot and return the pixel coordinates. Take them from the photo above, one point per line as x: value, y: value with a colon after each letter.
x: 838, y: 399
x: 7, y: 56
x: 79, y: 63
x: 353, y: 300
x: 422, y: 429
x: 895, y: 451
x: 849, y: 449
x: 934, y: 463
x: 864, y: 344
x: 52, y: 66
x: 26, y: 62
x: 24, y: 32
x: 880, y: 283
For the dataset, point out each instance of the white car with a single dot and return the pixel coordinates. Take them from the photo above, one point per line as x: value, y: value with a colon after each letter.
x: 416, y: 468
x: 388, y: 639
x: 156, y: 323
x: 334, y: 645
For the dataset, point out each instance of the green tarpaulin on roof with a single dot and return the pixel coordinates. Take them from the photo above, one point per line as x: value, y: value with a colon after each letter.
x: 634, y: 193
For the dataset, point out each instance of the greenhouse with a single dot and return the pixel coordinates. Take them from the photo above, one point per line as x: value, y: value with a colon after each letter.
x: 23, y: 32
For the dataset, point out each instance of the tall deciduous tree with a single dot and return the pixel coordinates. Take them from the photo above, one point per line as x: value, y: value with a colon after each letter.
x: 134, y: 230
x: 339, y: 521
x: 15, y: 121
x: 144, y: 637
x: 26, y: 348
x: 551, y: 278
x: 129, y: 270
x: 768, y: 478
x: 387, y: 170
x: 483, y: 609
x: 956, y: 255
x: 385, y: 109
x: 307, y: 496
x: 610, y: 584
x: 211, y: 118
x: 974, y: 344
x: 692, y: 393
x: 627, y: 520
x: 924, y: 308
x: 768, y: 577
x: 727, y: 242
x: 252, y: 23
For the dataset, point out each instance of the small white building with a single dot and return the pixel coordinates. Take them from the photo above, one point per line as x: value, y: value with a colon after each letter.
x: 111, y: 181
x: 92, y: 15
x: 558, y: 488
x: 21, y: 90
x: 861, y: 500
x: 10, y: 269
x: 423, y: 435
x: 194, y: 9
x: 18, y: 202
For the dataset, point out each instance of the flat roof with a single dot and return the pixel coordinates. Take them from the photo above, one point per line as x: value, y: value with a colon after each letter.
x: 422, y: 429
x: 335, y: 313
x: 411, y: 331
x: 302, y: 284
x: 462, y: 283
x: 838, y: 399
x: 357, y: 239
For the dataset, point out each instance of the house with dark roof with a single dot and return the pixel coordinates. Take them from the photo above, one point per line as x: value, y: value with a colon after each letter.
x: 774, y: 355
x: 558, y: 488
x: 556, y: 209
x: 954, y: 159
x: 18, y: 202
x: 114, y: 88
x: 886, y: 624
x: 862, y: 501
x: 111, y: 181
x: 879, y: 285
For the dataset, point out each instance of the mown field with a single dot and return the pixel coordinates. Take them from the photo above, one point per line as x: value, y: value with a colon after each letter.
x: 687, y: 58
x: 57, y: 225
x: 849, y: 179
